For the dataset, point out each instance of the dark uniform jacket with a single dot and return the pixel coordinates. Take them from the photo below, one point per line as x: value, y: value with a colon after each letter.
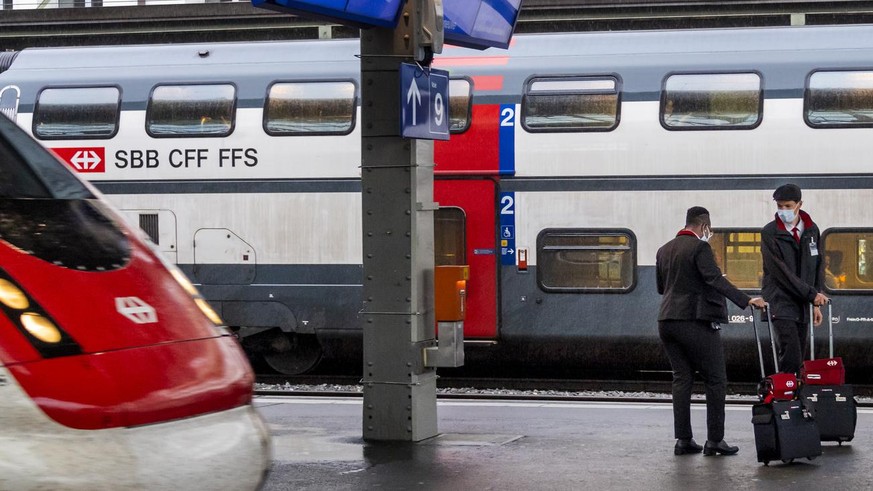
x: 792, y: 271
x: 692, y: 285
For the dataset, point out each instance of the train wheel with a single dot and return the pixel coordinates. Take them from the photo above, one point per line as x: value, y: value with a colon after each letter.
x: 293, y: 354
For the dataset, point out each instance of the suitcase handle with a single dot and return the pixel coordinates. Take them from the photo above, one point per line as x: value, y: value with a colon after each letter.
x: 830, y: 331
x: 766, y: 311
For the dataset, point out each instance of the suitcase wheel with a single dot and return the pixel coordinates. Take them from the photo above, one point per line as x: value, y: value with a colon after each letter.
x: 787, y: 461
x: 812, y: 458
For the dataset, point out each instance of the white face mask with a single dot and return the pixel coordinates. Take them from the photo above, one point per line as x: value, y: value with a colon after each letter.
x: 707, y: 234
x: 786, y: 216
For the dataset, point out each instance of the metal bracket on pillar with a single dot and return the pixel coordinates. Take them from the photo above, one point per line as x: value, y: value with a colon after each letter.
x: 449, y: 351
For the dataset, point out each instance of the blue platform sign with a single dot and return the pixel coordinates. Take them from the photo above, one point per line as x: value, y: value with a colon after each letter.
x: 507, y: 228
x: 424, y: 102
x: 361, y: 13
x: 480, y: 24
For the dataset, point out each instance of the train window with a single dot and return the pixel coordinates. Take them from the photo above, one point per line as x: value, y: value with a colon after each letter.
x: 449, y: 232
x: 310, y: 108
x: 738, y: 255
x: 586, y: 260
x: 848, y: 257
x: 76, y: 112
x: 460, y: 104
x: 9, y: 101
x: 571, y: 104
x: 183, y: 111
x: 839, y: 99
x: 714, y: 101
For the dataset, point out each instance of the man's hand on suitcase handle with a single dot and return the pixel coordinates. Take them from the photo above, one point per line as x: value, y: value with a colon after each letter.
x: 817, y: 317
x: 820, y: 299
x: 757, y: 302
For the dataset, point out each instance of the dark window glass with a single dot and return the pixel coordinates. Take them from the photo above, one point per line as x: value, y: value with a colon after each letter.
x: 571, y: 104
x: 74, y: 234
x: 27, y: 170
x: 712, y: 101
x: 449, y: 233
x: 594, y: 261
x: 191, y: 110
x: 738, y: 254
x: 848, y: 257
x: 83, y: 112
x: 307, y: 108
x: 460, y: 104
x: 839, y: 99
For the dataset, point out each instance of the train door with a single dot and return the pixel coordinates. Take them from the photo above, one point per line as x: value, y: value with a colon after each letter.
x: 464, y: 234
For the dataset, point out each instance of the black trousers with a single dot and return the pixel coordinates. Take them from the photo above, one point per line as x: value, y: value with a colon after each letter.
x: 694, y: 346
x: 792, y: 339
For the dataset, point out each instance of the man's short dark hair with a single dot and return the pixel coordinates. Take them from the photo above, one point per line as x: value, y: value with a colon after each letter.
x: 697, y: 215
x: 787, y: 192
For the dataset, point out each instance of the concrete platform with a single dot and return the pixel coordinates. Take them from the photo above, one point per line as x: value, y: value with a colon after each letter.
x: 539, y: 446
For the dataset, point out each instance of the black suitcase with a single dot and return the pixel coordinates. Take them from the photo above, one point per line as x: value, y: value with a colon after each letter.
x: 834, y: 409
x: 833, y: 406
x: 784, y: 429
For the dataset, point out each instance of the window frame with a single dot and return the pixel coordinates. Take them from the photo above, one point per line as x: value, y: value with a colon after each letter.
x: 36, y: 105
x: 464, y: 231
x: 823, y: 240
x: 663, y: 100
x: 234, y: 107
x: 469, y: 118
x: 526, y: 92
x: 591, y: 232
x: 355, y: 98
x: 806, y: 100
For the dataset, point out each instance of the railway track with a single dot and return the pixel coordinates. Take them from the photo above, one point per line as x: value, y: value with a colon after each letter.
x: 519, y: 389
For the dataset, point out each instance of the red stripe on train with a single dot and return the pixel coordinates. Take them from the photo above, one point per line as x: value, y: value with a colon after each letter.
x: 475, y: 151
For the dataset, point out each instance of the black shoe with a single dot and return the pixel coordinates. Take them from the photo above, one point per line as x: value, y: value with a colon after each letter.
x: 686, y: 446
x: 719, y: 448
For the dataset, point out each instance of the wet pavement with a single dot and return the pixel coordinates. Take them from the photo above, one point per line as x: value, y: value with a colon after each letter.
x: 485, y: 445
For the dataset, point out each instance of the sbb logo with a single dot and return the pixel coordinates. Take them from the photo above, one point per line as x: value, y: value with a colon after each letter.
x: 91, y: 159
x: 789, y: 383
x: 832, y: 363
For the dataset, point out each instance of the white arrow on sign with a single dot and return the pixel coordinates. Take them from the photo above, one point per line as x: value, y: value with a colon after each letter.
x: 413, y: 93
x: 85, y: 159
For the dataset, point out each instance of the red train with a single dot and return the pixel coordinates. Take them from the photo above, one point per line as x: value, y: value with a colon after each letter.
x: 114, y: 372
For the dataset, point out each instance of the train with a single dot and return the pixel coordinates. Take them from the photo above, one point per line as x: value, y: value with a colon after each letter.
x: 572, y: 158
x: 115, y: 373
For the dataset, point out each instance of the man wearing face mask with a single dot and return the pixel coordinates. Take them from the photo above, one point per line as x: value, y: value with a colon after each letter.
x: 792, y: 275
x: 692, y: 309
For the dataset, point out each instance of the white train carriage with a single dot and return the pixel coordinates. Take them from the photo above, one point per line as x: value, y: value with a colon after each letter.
x: 573, y: 158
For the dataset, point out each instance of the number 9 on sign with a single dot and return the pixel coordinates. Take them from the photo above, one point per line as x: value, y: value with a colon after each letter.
x: 438, y: 108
